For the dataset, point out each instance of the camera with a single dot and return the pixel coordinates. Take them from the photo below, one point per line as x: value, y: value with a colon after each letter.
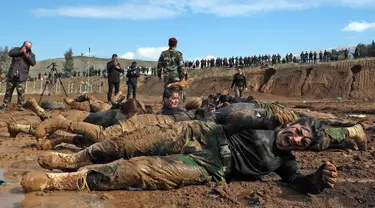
x: 28, y: 49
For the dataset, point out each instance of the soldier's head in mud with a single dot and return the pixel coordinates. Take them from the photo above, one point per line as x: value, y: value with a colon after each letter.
x: 172, y: 42
x: 306, y: 133
x: 171, y: 98
x: 239, y: 71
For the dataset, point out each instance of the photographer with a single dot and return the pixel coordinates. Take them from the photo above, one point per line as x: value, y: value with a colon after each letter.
x: 113, y: 72
x: 22, y: 59
x: 132, y: 75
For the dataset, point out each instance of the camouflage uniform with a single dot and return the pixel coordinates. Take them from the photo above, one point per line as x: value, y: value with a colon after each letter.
x: 11, y: 85
x: 170, y: 65
x: 169, y: 156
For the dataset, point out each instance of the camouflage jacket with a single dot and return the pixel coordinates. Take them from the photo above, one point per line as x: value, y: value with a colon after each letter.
x: 170, y: 61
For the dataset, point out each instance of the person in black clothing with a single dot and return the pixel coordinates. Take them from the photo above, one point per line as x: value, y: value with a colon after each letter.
x: 132, y: 75
x: 22, y: 59
x: 239, y: 83
x: 113, y: 71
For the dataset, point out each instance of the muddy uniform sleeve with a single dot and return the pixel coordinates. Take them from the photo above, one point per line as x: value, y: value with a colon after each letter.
x: 337, y: 123
x: 245, y: 123
x: 290, y: 174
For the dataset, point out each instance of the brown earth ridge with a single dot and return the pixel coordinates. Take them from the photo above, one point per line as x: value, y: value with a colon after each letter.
x: 346, y: 79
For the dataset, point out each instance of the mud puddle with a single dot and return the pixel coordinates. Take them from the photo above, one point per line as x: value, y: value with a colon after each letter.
x: 11, y: 194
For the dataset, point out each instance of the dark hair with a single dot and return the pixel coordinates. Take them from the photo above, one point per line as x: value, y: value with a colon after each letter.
x: 319, y: 139
x: 169, y: 92
x: 114, y: 55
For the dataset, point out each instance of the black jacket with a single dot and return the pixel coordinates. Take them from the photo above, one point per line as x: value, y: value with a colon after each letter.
x: 113, y: 73
x: 20, y: 65
x: 132, y: 75
x: 239, y: 80
x: 254, y: 155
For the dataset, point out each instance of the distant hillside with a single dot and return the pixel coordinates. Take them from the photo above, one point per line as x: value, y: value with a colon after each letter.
x: 80, y: 64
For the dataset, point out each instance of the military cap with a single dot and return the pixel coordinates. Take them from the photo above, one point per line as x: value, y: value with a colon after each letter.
x: 173, y: 40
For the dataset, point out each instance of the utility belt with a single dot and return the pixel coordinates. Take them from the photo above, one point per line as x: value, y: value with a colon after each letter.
x: 224, y: 150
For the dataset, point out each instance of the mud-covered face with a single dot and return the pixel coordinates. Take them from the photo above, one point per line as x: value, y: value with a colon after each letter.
x: 173, y: 101
x: 294, y: 137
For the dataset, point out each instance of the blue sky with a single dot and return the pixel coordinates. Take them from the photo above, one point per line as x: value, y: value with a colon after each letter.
x: 141, y: 29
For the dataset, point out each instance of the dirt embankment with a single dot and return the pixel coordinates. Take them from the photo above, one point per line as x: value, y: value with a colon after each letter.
x: 346, y: 79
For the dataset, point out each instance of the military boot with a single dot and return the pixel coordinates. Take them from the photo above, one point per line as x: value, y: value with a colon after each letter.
x: 14, y: 129
x: 68, y: 100
x: 115, y: 98
x: 358, y: 135
x: 32, y: 105
x: 64, y: 162
x: 55, y: 139
x: 41, y: 181
x: 83, y: 106
x: 51, y: 125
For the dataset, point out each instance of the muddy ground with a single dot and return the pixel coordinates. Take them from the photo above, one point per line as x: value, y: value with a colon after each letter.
x: 356, y: 186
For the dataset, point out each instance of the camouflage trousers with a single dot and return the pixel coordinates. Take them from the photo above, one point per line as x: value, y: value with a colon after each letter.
x: 161, y: 156
x: 11, y: 85
x: 170, y: 78
x: 238, y: 91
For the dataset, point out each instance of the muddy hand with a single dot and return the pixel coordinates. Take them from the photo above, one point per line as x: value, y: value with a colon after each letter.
x: 329, y: 174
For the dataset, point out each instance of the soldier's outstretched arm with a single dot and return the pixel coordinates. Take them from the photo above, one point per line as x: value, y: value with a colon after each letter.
x: 324, y: 177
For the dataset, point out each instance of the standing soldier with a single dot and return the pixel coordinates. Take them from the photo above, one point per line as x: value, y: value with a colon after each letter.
x: 22, y: 59
x: 310, y: 56
x: 170, y: 64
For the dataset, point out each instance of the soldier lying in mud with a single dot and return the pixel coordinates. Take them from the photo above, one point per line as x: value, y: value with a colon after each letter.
x: 94, y: 130
x: 337, y: 135
x: 118, y: 113
x: 168, y: 156
x: 89, y: 103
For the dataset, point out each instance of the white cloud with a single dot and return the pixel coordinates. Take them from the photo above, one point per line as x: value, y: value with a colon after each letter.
x: 152, y: 9
x: 150, y: 53
x: 359, y: 26
x: 128, y: 55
